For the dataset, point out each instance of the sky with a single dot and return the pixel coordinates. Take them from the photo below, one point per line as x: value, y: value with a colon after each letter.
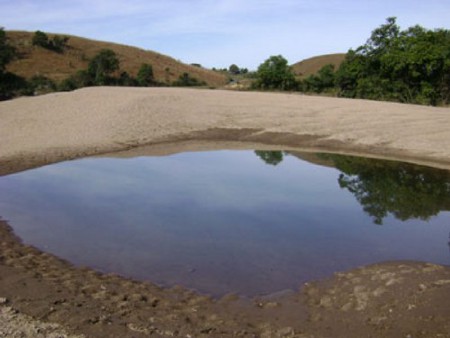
x: 224, y: 32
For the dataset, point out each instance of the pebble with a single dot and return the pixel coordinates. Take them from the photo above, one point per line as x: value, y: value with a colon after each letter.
x: 3, y: 300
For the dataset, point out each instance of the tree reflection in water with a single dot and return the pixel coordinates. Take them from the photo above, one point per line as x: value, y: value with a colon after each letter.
x: 382, y: 187
x: 270, y: 157
x: 404, y: 190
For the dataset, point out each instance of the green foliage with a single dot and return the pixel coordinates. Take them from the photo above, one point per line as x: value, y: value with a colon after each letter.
x: 410, y: 66
x: 7, y: 52
x: 57, y: 44
x: 40, y: 84
x: 80, y: 79
x: 323, y: 81
x: 127, y: 80
x: 40, y: 39
x: 102, y: 66
x: 10, y: 84
x: 385, y: 187
x: 275, y: 73
x: 145, y: 76
x: 234, y: 69
x: 185, y: 80
x: 270, y: 157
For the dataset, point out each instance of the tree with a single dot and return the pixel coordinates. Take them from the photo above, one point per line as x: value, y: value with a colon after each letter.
x: 322, y: 81
x: 7, y: 52
x: 274, y: 73
x: 234, y: 69
x: 102, y: 66
x: 410, y: 66
x: 145, y: 75
x: 10, y: 84
x: 40, y: 39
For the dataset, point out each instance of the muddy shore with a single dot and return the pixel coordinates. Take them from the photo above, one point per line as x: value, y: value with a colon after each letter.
x: 41, y: 295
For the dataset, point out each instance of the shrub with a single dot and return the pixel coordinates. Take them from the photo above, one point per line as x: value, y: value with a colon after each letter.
x: 145, y: 75
x: 185, y: 80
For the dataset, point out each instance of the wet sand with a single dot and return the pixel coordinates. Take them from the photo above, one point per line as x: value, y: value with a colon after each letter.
x: 43, y: 295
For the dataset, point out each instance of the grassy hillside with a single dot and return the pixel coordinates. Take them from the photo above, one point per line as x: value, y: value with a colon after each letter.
x: 312, y: 65
x: 35, y: 60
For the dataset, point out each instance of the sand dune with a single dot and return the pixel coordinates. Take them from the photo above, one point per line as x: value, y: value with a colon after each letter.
x: 91, y: 121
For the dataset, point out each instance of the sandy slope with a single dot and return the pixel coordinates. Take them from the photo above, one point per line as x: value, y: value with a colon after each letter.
x: 396, y: 299
x: 97, y: 120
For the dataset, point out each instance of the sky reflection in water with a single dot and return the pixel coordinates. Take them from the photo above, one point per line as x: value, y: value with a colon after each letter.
x: 226, y: 221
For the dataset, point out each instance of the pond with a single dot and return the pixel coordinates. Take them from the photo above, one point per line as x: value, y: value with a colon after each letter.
x: 249, y: 222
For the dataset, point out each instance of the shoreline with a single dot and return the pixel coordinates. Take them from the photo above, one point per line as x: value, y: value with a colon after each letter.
x: 101, y: 120
x: 50, y: 295
x: 388, y: 299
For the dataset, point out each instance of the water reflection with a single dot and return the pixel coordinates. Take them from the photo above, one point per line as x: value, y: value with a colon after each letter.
x: 223, y: 221
x: 382, y: 187
x: 270, y: 157
x: 385, y: 187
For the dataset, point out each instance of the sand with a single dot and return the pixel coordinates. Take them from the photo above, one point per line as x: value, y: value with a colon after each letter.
x: 43, y: 295
x: 90, y: 121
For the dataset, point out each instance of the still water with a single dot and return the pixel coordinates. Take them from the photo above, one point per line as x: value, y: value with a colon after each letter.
x: 231, y: 221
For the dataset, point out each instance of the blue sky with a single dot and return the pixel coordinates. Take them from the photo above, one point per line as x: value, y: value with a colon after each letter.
x: 219, y: 33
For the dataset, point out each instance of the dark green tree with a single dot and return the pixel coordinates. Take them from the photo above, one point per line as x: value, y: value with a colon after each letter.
x: 7, y: 52
x: 410, y: 66
x: 10, y: 84
x: 275, y: 73
x: 40, y: 39
x: 234, y: 69
x: 145, y: 75
x: 102, y: 66
x: 324, y: 80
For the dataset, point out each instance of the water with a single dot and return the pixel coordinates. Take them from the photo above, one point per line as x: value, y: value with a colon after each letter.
x: 231, y: 221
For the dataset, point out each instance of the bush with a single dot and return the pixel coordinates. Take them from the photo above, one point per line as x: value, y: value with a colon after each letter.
x: 40, y: 84
x: 185, y: 80
x: 274, y: 73
x: 11, y: 85
x: 145, y: 75
x: 57, y: 44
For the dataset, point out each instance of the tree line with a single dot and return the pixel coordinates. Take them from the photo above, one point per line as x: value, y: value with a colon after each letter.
x: 410, y: 66
x: 103, y: 70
